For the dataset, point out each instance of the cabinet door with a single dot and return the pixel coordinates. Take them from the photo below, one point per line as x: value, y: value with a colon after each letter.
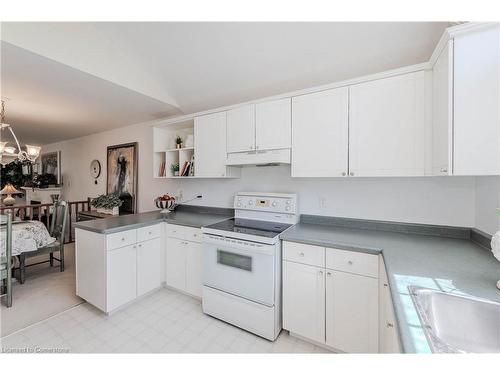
x: 176, y: 263
x: 148, y: 265
x: 194, y: 269
x: 304, y: 300
x: 351, y: 312
x: 320, y: 134
x: 273, y: 127
x: 210, y: 145
x: 122, y: 284
x: 442, y: 112
x: 476, y: 103
x: 386, y: 127
x: 241, y: 129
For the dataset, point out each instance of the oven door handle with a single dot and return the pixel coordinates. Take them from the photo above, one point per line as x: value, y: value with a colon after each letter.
x: 242, y: 247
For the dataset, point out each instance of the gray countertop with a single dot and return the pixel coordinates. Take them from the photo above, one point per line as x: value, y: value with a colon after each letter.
x: 190, y: 218
x: 447, y: 264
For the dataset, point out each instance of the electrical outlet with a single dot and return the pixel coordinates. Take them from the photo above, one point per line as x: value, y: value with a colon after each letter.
x: 322, y: 202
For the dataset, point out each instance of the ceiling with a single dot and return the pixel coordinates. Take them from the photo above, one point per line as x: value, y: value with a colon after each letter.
x: 70, y: 79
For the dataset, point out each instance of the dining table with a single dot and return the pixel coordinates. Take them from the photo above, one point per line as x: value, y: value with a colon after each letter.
x: 26, y: 236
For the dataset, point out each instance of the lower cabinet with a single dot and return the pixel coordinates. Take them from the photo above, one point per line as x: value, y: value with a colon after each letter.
x: 389, y: 338
x: 304, y: 300
x: 114, y: 269
x: 184, y: 260
x: 334, y: 302
x: 351, y: 312
x: 148, y: 266
x: 122, y: 280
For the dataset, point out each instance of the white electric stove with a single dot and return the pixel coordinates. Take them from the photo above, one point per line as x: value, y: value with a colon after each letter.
x: 242, y: 262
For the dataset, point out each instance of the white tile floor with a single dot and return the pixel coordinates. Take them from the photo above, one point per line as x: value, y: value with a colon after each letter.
x: 163, y: 322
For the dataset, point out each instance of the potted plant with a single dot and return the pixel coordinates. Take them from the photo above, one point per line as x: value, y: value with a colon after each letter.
x: 178, y: 142
x: 107, y: 204
x: 175, y: 169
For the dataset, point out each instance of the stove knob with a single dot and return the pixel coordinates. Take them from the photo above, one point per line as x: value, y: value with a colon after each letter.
x: 288, y: 201
x: 250, y: 203
x: 274, y: 204
x: 287, y: 208
x: 239, y: 204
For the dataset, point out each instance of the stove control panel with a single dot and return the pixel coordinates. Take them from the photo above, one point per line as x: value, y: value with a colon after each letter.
x: 271, y: 202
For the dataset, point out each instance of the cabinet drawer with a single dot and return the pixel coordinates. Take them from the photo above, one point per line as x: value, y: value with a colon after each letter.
x: 305, y: 254
x: 184, y: 233
x: 148, y: 233
x: 120, y: 239
x: 353, y: 262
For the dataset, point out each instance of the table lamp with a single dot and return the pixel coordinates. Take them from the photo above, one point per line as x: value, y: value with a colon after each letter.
x: 8, y: 190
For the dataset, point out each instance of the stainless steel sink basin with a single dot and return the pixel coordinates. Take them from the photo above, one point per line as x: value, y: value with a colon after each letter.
x: 457, y: 324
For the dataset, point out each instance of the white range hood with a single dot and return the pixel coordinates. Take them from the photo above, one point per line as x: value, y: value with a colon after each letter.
x: 259, y: 157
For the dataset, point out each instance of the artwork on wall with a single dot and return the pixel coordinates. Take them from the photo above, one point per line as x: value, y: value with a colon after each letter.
x: 50, y: 164
x: 122, y: 175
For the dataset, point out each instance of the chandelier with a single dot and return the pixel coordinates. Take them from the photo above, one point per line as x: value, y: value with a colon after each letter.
x: 31, y: 152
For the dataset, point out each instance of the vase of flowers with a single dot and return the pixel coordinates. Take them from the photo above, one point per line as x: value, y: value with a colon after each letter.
x: 107, y: 204
x: 495, y: 246
x: 174, y: 167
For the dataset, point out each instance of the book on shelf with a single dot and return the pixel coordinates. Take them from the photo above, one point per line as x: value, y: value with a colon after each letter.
x: 183, y: 170
x: 191, y: 170
x: 161, y: 169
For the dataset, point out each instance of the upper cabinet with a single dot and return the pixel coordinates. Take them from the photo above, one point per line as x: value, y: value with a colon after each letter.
x: 241, y: 129
x: 386, y: 127
x: 262, y: 126
x: 320, y: 134
x: 273, y: 128
x: 210, y: 146
x: 476, y: 114
x: 442, y: 112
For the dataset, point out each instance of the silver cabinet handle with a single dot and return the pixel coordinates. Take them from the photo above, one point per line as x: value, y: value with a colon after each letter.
x: 344, y: 174
x: 350, y: 262
x: 320, y: 273
x: 140, y: 245
x: 389, y: 325
x: 123, y: 238
x: 133, y: 247
x: 301, y: 254
x: 444, y: 170
x: 385, y: 284
x: 351, y: 174
x: 150, y: 233
x: 328, y: 274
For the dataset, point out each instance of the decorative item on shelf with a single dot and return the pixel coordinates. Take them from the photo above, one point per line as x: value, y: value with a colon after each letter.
x: 44, y: 180
x: 122, y: 173
x: 178, y: 142
x: 174, y: 167
x: 161, y: 169
x: 54, y: 197
x: 31, y: 152
x: 166, y: 202
x: 495, y: 246
x: 8, y: 190
x: 189, y: 141
x: 107, y: 204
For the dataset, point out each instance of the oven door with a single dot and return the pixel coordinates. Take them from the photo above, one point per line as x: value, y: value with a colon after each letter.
x: 243, y: 268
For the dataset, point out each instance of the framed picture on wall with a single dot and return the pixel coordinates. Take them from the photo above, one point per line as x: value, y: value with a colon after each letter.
x: 122, y: 175
x: 50, y: 163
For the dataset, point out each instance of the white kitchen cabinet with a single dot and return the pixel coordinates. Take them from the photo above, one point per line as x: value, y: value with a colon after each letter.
x: 273, y: 129
x: 210, y: 146
x: 352, y: 321
x: 442, y: 112
x: 149, y: 273
x: 122, y: 279
x: 241, y: 129
x: 476, y: 115
x: 320, y: 134
x: 386, y: 127
x: 304, y: 300
x: 184, y: 259
x: 194, y: 269
x: 176, y: 263
x: 388, y: 330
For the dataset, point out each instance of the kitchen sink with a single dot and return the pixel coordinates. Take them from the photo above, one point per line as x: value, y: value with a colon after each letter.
x: 457, y: 324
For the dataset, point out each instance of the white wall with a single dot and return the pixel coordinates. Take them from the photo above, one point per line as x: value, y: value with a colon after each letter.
x: 487, y: 200
x: 433, y: 200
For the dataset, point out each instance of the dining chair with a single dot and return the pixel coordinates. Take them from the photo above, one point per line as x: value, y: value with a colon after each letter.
x: 6, y: 259
x: 57, y: 230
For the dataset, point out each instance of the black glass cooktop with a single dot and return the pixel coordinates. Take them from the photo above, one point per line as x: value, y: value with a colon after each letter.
x: 253, y: 227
